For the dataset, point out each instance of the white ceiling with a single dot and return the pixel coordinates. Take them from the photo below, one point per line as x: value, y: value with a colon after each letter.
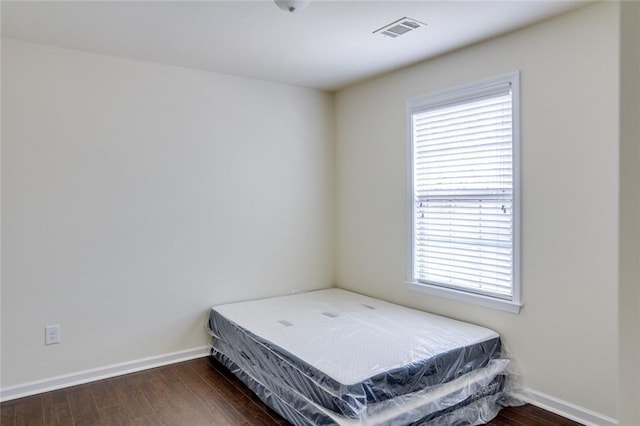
x: 328, y: 45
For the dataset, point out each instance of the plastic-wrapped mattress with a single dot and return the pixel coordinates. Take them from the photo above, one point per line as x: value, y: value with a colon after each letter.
x: 473, y: 398
x: 342, y: 354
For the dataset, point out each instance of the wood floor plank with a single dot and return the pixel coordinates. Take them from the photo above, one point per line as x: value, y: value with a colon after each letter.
x: 249, y: 409
x: 200, y: 364
x: 131, y: 398
x: 172, y: 402
x: 180, y: 381
x: 104, y: 393
x: 57, y: 411
x: 29, y: 411
x: 235, y: 381
x: 220, y: 408
x: 114, y: 415
x: 7, y: 414
x: 83, y: 407
x: 224, y: 372
x: 530, y: 415
x: 501, y: 421
x: 553, y: 418
x: 160, y: 400
x: 146, y: 421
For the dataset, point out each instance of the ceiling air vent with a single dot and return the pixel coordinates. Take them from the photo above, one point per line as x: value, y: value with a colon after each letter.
x: 399, y: 27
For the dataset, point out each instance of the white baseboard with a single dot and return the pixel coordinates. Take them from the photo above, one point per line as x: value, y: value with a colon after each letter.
x: 66, y: 380
x: 567, y: 409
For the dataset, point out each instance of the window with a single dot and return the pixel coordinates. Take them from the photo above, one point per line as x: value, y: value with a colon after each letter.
x: 464, y: 193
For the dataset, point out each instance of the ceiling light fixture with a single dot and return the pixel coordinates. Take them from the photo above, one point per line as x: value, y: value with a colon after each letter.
x: 292, y: 5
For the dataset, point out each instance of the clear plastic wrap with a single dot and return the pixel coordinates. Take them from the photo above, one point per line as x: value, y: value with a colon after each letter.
x: 335, y: 357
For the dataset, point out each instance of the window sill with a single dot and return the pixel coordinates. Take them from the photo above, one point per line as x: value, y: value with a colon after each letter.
x: 476, y: 299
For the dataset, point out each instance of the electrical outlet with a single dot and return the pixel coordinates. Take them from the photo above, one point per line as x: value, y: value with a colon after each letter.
x: 51, y: 334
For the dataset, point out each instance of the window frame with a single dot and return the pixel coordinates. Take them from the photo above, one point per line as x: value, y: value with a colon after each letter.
x: 440, y: 99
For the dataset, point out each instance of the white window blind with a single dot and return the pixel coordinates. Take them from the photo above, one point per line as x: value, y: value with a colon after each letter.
x: 463, y: 190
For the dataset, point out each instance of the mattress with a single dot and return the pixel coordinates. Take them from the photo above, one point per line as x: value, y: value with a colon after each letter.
x: 344, y: 351
x: 473, y: 398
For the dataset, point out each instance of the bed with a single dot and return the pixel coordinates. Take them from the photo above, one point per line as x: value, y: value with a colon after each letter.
x: 337, y: 357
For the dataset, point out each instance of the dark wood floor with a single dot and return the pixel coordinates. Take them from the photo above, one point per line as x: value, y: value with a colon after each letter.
x: 198, y: 392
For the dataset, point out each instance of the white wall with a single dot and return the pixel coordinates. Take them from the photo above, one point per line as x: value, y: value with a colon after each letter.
x: 565, y: 338
x: 629, y: 294
x: 136, y: 195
